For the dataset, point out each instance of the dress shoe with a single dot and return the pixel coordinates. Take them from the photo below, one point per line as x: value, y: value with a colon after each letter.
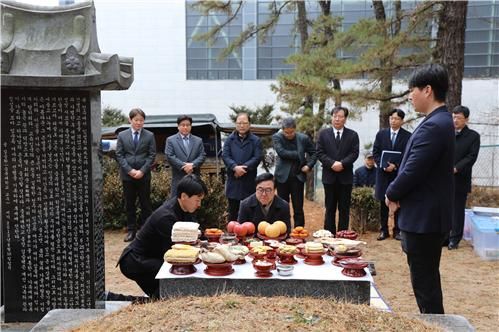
x: 452, y: 246
x: 382, y: 236
x: 129, y: 236
x: 397, y: 236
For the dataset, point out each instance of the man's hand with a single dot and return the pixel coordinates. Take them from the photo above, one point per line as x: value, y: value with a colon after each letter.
x: 139, y: 175
x: 391, y: 167
x: 305, y: 169
x: 337, y: 166
x: 240, y: 170
x: 455, y: 170
x: 188, y: 168
x: 392, y: 206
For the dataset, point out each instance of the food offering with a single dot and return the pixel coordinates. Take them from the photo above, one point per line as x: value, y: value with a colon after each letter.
x: 218, y: 261
x: 322, y: 233
x: 185, y: 232
x: 213, y: 234
x: 276, y: 231
x: 301, y: 250
x: 254, y: 243
x: 351, y: 235
x: 229, y: 239
x: 259, y: 252
x: 284, y: 270
x: 341, y: 252
x: 353, y: 267
x: 299, y: 233
x: 240, y: 252
x: 286, y: 254
x: 182, y: 257
x: 294, y: 241
x: 313, y: 253
x: 263, y: 268
x: 241, y: 230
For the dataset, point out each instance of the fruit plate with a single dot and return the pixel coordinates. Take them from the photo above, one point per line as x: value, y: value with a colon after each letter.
x: 219, y: 270
x: 265, y: 237
x: 182, y: 269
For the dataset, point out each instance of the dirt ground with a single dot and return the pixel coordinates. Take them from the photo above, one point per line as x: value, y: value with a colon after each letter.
x: 470, y: 285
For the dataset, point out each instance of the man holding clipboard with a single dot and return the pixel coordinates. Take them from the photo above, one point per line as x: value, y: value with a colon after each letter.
x: 388, y: 150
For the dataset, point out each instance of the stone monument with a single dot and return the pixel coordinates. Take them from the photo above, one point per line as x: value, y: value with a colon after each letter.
x: 51, y: 185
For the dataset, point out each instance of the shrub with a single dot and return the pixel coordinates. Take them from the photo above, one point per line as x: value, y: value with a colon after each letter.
x: 211, y: 213
x: 364, y: 210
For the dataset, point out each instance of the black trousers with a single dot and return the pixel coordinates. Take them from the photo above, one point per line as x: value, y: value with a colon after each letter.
x: 142, y: 270
x: 132, y: 190
x: 456, y: 233
x: 294, y: 188
x: 423, y: 256
x: 337, y: 196
x: 383, y: 218
x: 233, y: 209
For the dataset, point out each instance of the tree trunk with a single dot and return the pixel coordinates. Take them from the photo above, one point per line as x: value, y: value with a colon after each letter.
x: 450, y: 47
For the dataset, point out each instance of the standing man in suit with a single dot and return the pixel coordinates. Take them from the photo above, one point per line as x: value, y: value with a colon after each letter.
x: 424, y: 186
x: 392, y: 139
x: 337, y: 149
x: 467, y: 147
x: 135, y: 153
x: 242, y: 153
x: 296, y: 156
x: 184, y: 152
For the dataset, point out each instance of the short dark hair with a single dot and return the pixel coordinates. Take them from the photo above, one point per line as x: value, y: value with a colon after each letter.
x: 288, y: 123
x: 336, y: 109
x: 245, y: 114
x: 191, y: 185
x: 136, y: 111
x: 399, y: 112
x: 183, y: 118
x: 433, y: 75
x: 264, y: 177
x: 465, y: 111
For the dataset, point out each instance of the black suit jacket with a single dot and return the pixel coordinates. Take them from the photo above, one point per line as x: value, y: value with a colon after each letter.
x: 347, y: 153
x: 382, y: 142
x: 130, y: 157
x: 305, y: 154
x: 467, y: 147
x: 424, y: 186
x: 250, y: 210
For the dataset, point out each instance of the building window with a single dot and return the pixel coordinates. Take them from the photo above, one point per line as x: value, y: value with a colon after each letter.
x: 202, y: 63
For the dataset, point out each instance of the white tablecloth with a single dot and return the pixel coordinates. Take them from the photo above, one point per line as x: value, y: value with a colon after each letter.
x: 301, y: 271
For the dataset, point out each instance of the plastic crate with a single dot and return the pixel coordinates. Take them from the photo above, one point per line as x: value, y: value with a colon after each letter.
x: 468, y: 225
x: 485, y: 234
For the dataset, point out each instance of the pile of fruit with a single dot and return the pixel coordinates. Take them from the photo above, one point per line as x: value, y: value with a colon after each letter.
x: 245, y: 229
x: 213, y: 232
x: 274, y: 230
x: 299, y: 233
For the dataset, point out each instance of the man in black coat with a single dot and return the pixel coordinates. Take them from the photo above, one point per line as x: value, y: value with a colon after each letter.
x: 143, y: 258
x: 424, y: 186
x: 390, y: 139
x: 467, y: 147
x: 337, y: 149
x: 296, y: 156
x: 365, y: 175
x: 135, y: 153
x: 264, y: 204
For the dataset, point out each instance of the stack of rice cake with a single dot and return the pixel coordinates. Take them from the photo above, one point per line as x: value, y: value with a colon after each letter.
x: 185, y: 231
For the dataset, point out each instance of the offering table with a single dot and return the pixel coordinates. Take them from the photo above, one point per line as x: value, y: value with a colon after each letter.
x: 317, y: 281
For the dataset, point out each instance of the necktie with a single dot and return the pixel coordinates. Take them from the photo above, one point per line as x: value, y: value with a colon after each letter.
x: 135, y: 138
x: 394, y: 136
x: 186, y: 143
x: 337, y: 137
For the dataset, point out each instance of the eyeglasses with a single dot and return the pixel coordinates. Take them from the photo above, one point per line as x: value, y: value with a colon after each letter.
x: 264, y: 190
x: 242, y: 123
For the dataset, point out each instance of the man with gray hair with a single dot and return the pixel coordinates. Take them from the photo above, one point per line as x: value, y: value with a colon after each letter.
x: 296, y: 156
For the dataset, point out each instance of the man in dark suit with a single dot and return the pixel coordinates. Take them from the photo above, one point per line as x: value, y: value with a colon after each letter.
x: 467, y: 147
x: 390, y: 139
x: 242, y: 153
x: 184, y: 152
x: 365, y: 175
x: 424, y: 186
x: 337, y: 149
x: 135, y: 153
x: 143, y: 258
x: 296, y: 156
x: 264, y: 205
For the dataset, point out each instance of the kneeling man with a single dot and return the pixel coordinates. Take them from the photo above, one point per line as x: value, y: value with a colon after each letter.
x: 264, y: 204
x: 143, y: 258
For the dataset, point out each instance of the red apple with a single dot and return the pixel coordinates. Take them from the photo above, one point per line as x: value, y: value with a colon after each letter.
x: 230, y: 226
x: 250, y: 227
x: 240, y: 230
